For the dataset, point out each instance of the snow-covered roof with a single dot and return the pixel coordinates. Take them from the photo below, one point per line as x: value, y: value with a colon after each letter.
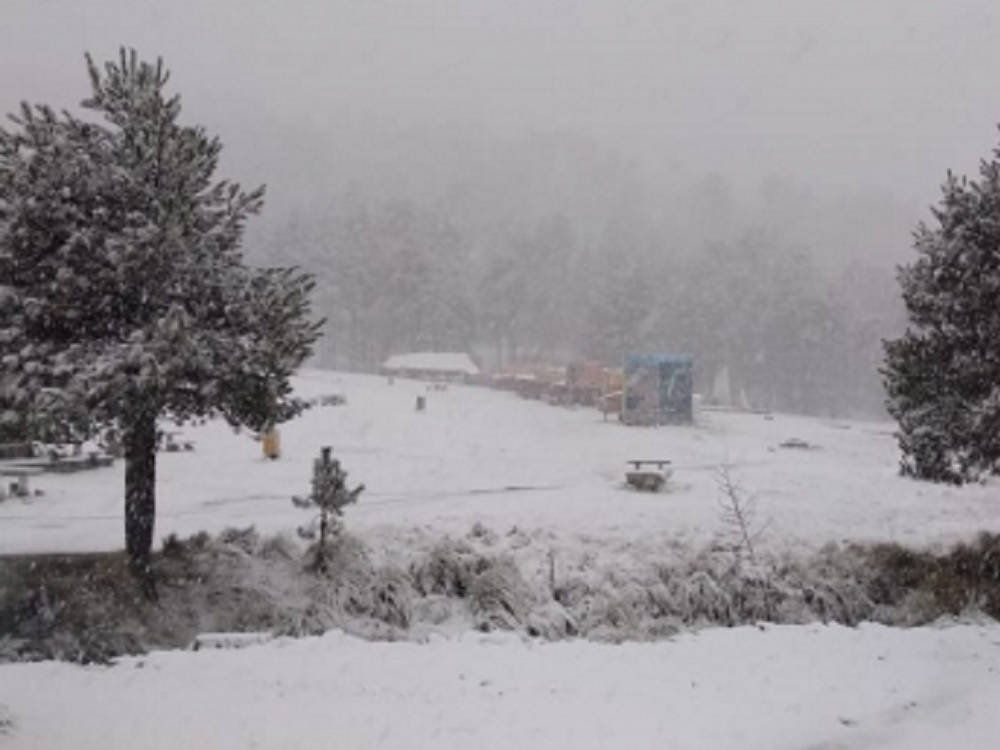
x: 433, y: 362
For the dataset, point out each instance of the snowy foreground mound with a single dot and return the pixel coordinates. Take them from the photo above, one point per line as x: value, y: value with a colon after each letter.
x: 741, y: 689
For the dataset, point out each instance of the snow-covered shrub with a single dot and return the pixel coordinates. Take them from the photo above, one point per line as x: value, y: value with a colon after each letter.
x: 661, y: 602
x: 312, y: 620
x: 570, y: 592
x: 552, y: 622
x: 392, y: 597
x: 434, y: 610
x: 247, y: 540
x: 483, y: 534
x: 345, y: 556
x: 346, y: 585
x: 702, y: 599
x: 757, y: 594
x: 173, y: 546
x: 88, y: 608
x: 614, y: 609
x: 279, y: 547
x: 448, y: 568
x: 499, y: 597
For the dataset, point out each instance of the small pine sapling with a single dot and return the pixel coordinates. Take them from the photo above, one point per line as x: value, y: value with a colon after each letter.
x: 330, y: 495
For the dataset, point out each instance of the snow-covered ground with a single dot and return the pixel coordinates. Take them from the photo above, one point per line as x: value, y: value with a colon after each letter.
x: 804, y: 688
x: 488, y: 456
x: 477, y: 455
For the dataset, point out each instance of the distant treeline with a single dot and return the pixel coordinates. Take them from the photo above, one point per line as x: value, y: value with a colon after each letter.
x: 588, y: 265
x: 395, y: 278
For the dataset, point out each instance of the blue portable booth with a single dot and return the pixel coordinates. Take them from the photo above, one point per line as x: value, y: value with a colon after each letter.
x: 657, y: 389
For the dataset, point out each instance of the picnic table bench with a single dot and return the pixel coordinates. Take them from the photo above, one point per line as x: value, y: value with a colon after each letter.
x: 21, y: 475
x: 174, y: 442
x: 659, y: 463
x: 648, y: 480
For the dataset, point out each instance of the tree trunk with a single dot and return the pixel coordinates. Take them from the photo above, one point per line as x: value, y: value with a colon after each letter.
x: 321, y: 549
x: 140, y: 486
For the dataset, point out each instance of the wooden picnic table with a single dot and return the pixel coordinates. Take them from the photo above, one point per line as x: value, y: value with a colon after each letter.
x: 647, y: 480
x: 659, y: 463
x: 20, y: 475
x: 174, y: 442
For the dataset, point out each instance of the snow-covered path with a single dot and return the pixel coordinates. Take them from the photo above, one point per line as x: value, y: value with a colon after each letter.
x: 800, y: 688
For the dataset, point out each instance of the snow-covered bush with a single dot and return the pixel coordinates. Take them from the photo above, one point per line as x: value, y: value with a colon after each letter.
x: 499, y: 597
x: 392, y: 596
x: 90, y: 609
x: 552, y: 622
x: 448, y: 568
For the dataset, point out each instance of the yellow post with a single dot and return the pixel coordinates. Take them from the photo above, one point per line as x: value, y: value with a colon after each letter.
x: 271, y: 443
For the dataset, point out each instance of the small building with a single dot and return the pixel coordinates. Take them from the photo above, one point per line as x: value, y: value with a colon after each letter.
x: 454, y: 367
x: 657, y: 389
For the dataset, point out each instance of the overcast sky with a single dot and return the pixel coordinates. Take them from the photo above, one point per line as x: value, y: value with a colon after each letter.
x: 886, y: 93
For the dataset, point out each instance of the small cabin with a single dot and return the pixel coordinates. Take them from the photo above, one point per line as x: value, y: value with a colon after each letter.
x: 453, y: 367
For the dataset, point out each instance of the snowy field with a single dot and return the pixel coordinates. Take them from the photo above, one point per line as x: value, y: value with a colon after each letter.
x: 477, y: 455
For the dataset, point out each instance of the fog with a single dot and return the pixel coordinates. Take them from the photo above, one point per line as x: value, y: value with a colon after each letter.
x: 825, y: 127
x: 848, y: 94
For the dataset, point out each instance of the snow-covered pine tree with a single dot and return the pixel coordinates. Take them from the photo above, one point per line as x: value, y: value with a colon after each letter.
x: 124, y: 297
x: 330, y: 495
x: 943, y: 375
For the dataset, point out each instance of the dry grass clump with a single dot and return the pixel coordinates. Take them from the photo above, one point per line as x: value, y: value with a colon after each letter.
x: 392, y: 596
x: 447, y: 569
x: 709, y: 588
x: 492, y: 586
x: 551, y: 621
x: 499, y: 597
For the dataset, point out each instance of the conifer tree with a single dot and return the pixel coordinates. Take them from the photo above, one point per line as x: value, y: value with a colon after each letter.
x: 330, y: 495
x: 943, y: 375
x: 124, y: 297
